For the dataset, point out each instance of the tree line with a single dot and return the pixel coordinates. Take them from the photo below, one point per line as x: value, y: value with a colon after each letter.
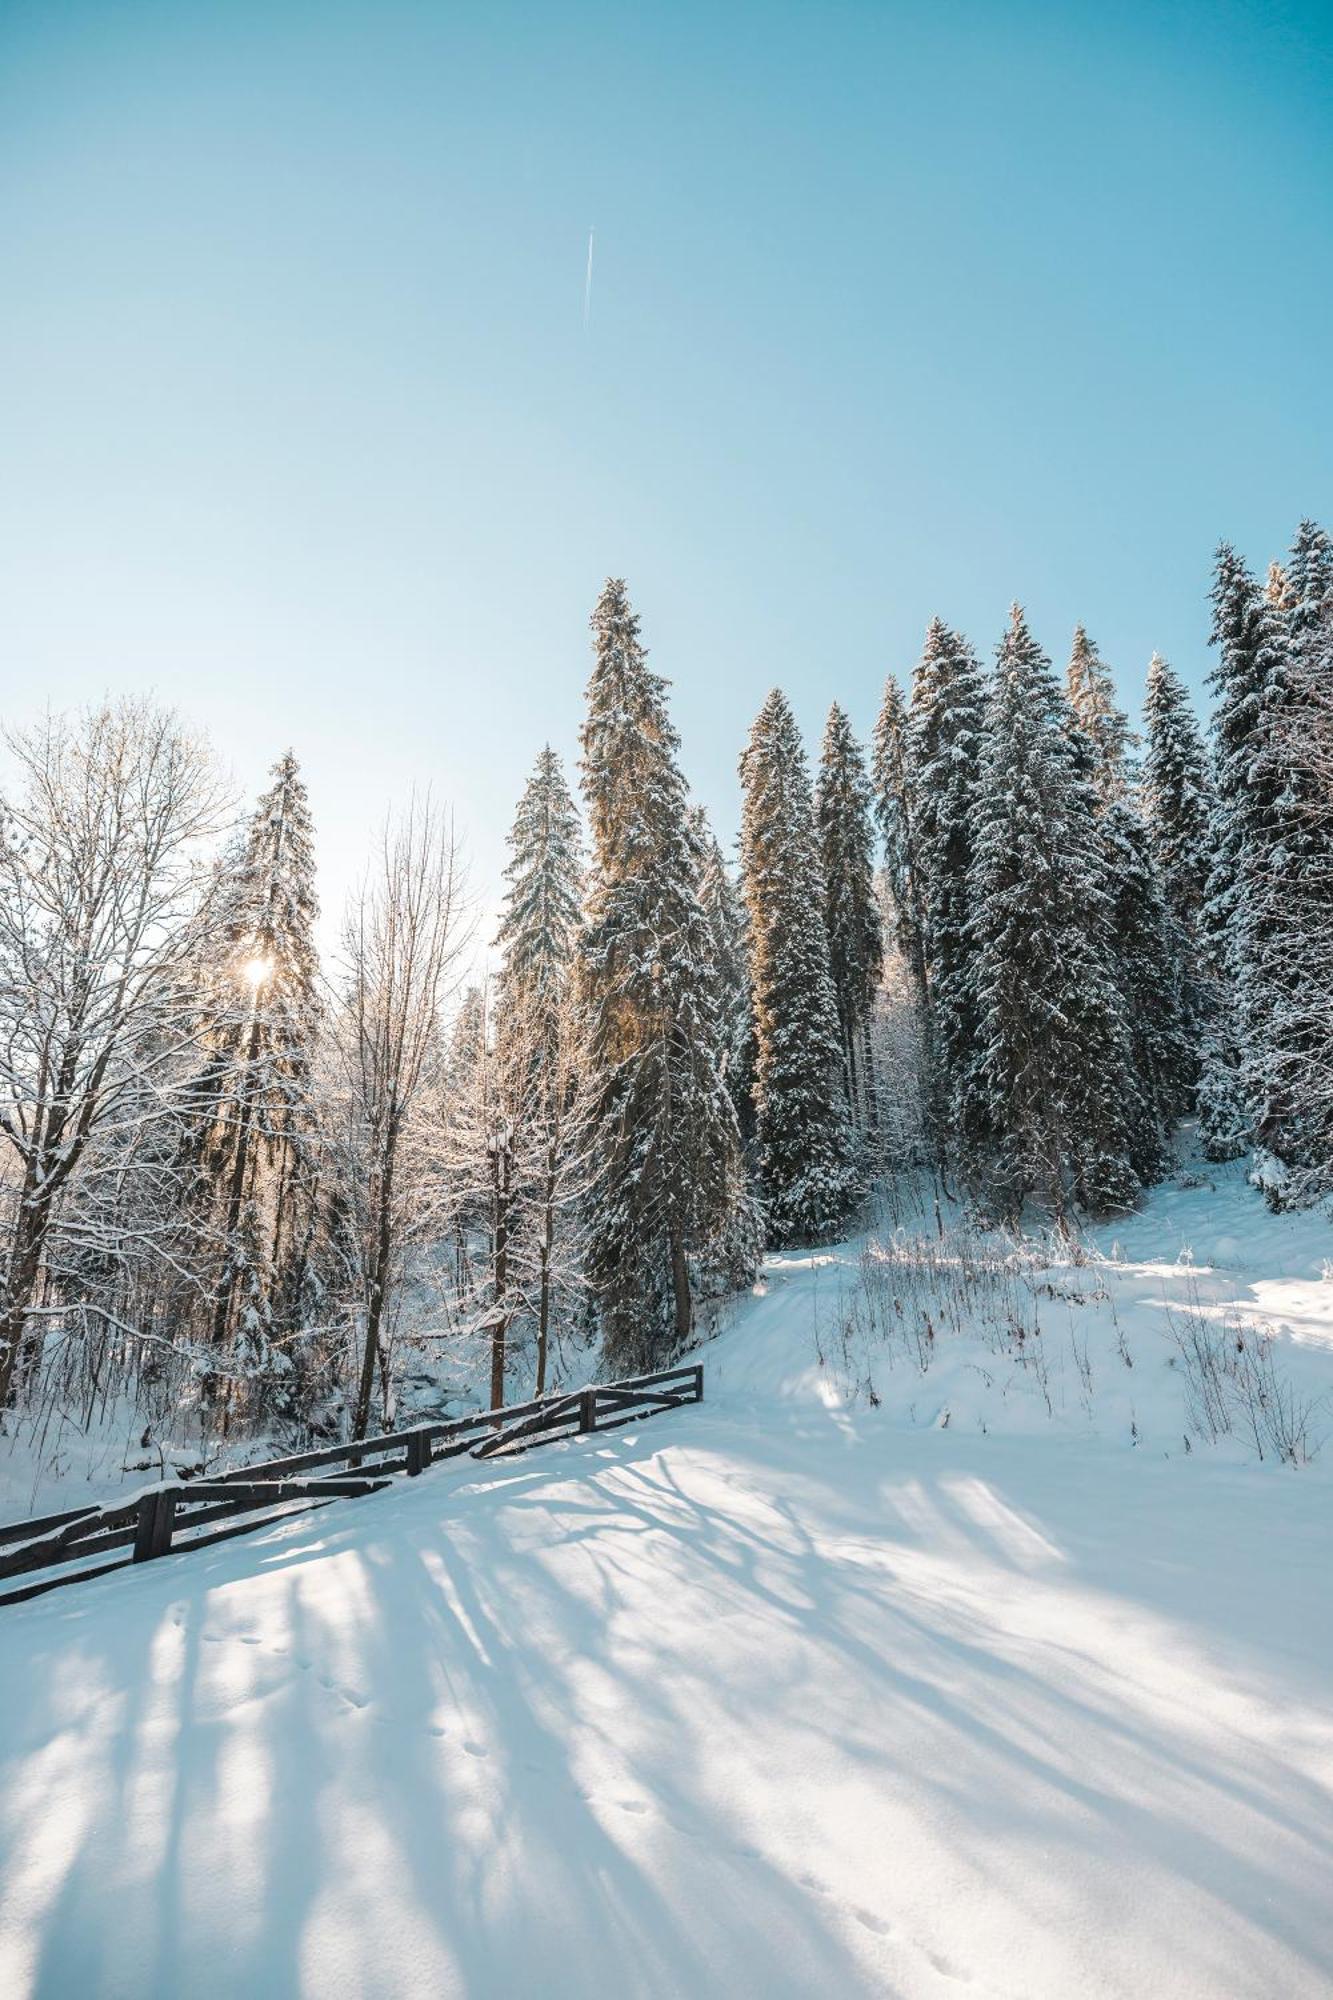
x: 1002, y: 944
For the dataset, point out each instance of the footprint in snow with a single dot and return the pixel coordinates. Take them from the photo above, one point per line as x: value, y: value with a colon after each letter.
x: 632, y: 1805
x: 476, y: 1750
x: 879, y: 1925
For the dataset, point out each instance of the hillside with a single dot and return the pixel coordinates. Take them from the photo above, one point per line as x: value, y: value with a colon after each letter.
x: 806, y: 1691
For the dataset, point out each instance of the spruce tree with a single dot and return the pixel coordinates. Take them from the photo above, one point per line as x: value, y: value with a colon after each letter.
x: 1102, y: 723
x: 1258, y: 856
x: 724, y: 907
x: 807, y: 1174
x: 256, y: 1169
x: 1053, y: 1055
x: 538, y: 1047
x: 1148, y: 946
x: 664, y: 1147
x: 542, y: 914
x: 895, y: 809
x: 944, y: 749
x: 843, y: 817
x: 1177, y: 795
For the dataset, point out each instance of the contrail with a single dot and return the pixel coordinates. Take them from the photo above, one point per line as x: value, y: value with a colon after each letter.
x: 587, y: 287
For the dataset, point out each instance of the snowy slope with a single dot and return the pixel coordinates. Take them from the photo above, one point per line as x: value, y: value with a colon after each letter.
x: 778, y: 1696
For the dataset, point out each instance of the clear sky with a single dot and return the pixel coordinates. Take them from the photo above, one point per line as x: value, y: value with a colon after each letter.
x: 896, y: 309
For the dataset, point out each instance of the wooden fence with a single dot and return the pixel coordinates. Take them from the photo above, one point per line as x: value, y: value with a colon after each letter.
x: 183, y: 1514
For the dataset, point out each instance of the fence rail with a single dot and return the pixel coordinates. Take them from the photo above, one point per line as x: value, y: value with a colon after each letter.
x: 168, y: 1517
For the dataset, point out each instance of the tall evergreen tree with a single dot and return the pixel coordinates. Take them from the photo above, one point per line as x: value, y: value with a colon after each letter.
x: 1177, y: 794
x: 843, y: 817
x: 1264, y: 850
x: 538, y: 1050
x: 542, y: 915
x: 944, y: 751
x: 1148, y: 945
x: 808, y: 1178
x: 896, y: 810
x: 1103, y: 725
x: 724, y: 907
x: 1053, y: 1052
x: 256, y: 1171
x: 665, y: 1148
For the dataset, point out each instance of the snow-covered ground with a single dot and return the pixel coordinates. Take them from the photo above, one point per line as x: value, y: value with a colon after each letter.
x: 861, y: 1678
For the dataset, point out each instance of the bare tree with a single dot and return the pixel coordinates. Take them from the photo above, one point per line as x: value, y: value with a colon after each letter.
x: 100, y: 860
x: 403, y: 939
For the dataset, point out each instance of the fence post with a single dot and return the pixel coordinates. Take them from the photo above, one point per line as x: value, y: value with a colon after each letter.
x: 587, y: 1409
x: 418, y: 1452
x: 152, y: 1532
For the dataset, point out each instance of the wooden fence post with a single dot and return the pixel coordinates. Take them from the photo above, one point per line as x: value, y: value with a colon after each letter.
x: 418, y: 1452
x: 587, y: 1410
x: 157, y: 1518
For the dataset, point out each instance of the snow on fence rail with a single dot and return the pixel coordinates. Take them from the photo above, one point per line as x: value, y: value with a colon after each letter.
x: 160, y: 1518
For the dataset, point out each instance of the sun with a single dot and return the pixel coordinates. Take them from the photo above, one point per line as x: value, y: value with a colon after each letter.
x: 255, y: 971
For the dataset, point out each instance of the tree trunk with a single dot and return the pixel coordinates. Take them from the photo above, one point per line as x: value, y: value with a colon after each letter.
x: 25, y: 1261
x: 375, y: 1296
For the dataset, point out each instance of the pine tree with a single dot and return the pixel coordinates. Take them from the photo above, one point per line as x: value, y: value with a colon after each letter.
x: 1265, y: 852
x: 895, y: 810
x: 1102, y: 723
x: 944, y: 750
x: 542, y: 916
x: 728, y: 923
x: 1053, y: 1052
x: 1177, y: 795
x: 1292, y: 934
x: 538, y: 1045
x: 665, y: 1150
x: 808, y: 1179
x: 257, y: 1153
x: 1147, y: 944
x: 843, y: 817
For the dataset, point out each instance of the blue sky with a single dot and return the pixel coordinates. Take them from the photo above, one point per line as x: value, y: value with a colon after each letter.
x: 896, y: 310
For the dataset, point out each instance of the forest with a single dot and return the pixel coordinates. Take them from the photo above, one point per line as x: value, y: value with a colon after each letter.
x: 1011, y: 944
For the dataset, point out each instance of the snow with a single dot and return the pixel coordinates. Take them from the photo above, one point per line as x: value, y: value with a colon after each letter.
x: 788, y: 1694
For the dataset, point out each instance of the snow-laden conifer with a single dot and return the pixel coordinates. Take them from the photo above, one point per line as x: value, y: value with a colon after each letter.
x: 252, y: 1100
x: 808, y: 1177
x: 1147, y: 944
x: 944, y: 750
x: 664, y: 1149
x: 1177, y: 795
x: 1053, y: 1050
x: 844, y: 805
x: 895, y: 810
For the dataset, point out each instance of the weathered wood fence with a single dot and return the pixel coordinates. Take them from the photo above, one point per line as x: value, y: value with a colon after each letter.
x: 182, y: 1514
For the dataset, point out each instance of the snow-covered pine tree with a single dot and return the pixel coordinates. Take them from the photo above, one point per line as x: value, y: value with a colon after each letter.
x: 1148, y: 946
x: 257, y: 1153
x: 664, y: 1150
x: 944, y: 750
x: 1294, y: 940
x: 1177, y: 795
x: 808, y: 1177
x: 895, y: 810
x: 537, y: 1037
x: 724, y: 908
x: 1260, y: 856
x: 1102, y: 723
x: 542, y: 915
x: 1053, y: 1056
x: 844, y: 819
